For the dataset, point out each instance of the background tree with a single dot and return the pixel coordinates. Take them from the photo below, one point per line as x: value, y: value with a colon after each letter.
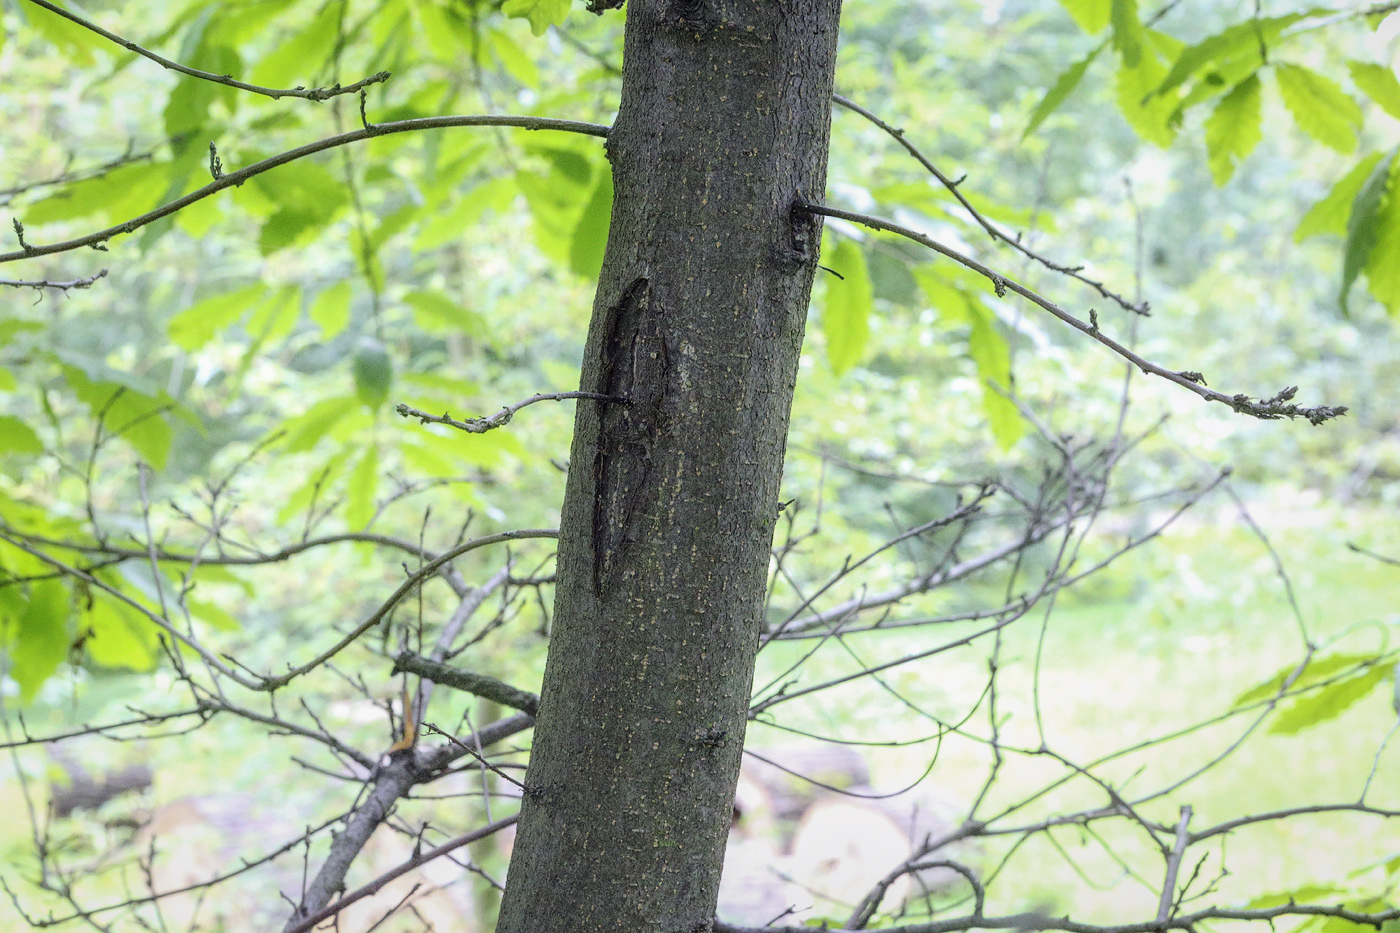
x: 687, y: 380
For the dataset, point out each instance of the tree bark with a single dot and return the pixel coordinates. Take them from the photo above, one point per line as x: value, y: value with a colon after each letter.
x: 671, y: 499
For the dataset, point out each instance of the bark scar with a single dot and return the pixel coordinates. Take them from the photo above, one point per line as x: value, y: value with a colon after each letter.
x: 635, y: 365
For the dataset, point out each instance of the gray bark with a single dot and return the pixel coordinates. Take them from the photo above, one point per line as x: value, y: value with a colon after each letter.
x: 671, y: 499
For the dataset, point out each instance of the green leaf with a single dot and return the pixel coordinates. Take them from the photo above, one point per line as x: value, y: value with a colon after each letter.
x: 1318, y: 670
x: 118, y: 638
x: 1378, y: 83
x: 456, y: 223
x: 299, y: 59
x: 41, y: 641
x: 188, y: 106
x: 74, y: 42
x: 1329, y: 702
x: 1319, y: 106
x: 331, y: 310
x: 214, y: 615
x: 1240, y: 40
x: 127, y: 411
x: 12, y: 328
x: 1304, y: 895
x: 1330, y: 214
x: 1091, y: 15
x: 1064, y: 86
x: 557, y: 198
x: 1150, y: 115
x: 591, y: 234
x: 513, y: 58
x: 849, y: 303
x: 274, y: 319
x: 1383, y: 264
x: 124, y: 192
x: 1127, y: 31
x: 1363, y: 226
x: 197, y: 324
x: 439, y: 314
x: 18, y: 437
x: 1233, y: 129
x: 362, y: 484
x: 315, y: 493
x: 374, y: 372
x: 541, y: 13
x: 992, y: 355
x: 308, y: 197
x: 302, y: 432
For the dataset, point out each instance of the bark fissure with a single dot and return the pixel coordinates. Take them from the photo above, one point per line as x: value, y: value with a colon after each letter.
x: 635, y: 366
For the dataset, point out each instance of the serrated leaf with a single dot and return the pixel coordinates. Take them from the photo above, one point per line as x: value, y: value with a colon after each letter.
x: 18, y: 437
x: 1242, y: 39
x: 1328, y: 702
x: 1233, y: 129
x: 591, y: 235
x: 1150, y: 115
x: 197, y: 324
x: 541, y: 13
x: 1127, y: 31
x: 1091, y: 15
x: 1319, y: 106
x: 41, y: 639
x: 1363, y: 226
x: 1059, y: 92
x: 1330, y: 214
x: 361, y: 487
x: 1383, y: 265
x: 1378, y: 83
x: 849, y: 304
x: 331, y: 310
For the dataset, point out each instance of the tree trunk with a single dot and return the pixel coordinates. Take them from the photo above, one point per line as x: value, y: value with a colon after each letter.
x: 672, y: 498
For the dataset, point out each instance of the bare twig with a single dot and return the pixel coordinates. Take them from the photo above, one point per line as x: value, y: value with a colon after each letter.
x: 995, y: 232
x: 502, y: 417
x: 234, y: 179
x: 1278, y: 406
x: 316, y: 94
x: 85, y: 282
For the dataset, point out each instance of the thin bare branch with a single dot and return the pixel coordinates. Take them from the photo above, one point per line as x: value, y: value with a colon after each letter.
x: 501, y: 418
x: 316, y: 94
x: 233, y: 179
x: 1268, y: 409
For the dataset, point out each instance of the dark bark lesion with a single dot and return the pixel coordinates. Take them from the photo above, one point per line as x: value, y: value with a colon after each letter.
x: 636, y: 366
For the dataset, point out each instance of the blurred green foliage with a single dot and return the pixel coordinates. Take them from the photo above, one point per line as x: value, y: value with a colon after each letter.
x: 1236, y: 170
